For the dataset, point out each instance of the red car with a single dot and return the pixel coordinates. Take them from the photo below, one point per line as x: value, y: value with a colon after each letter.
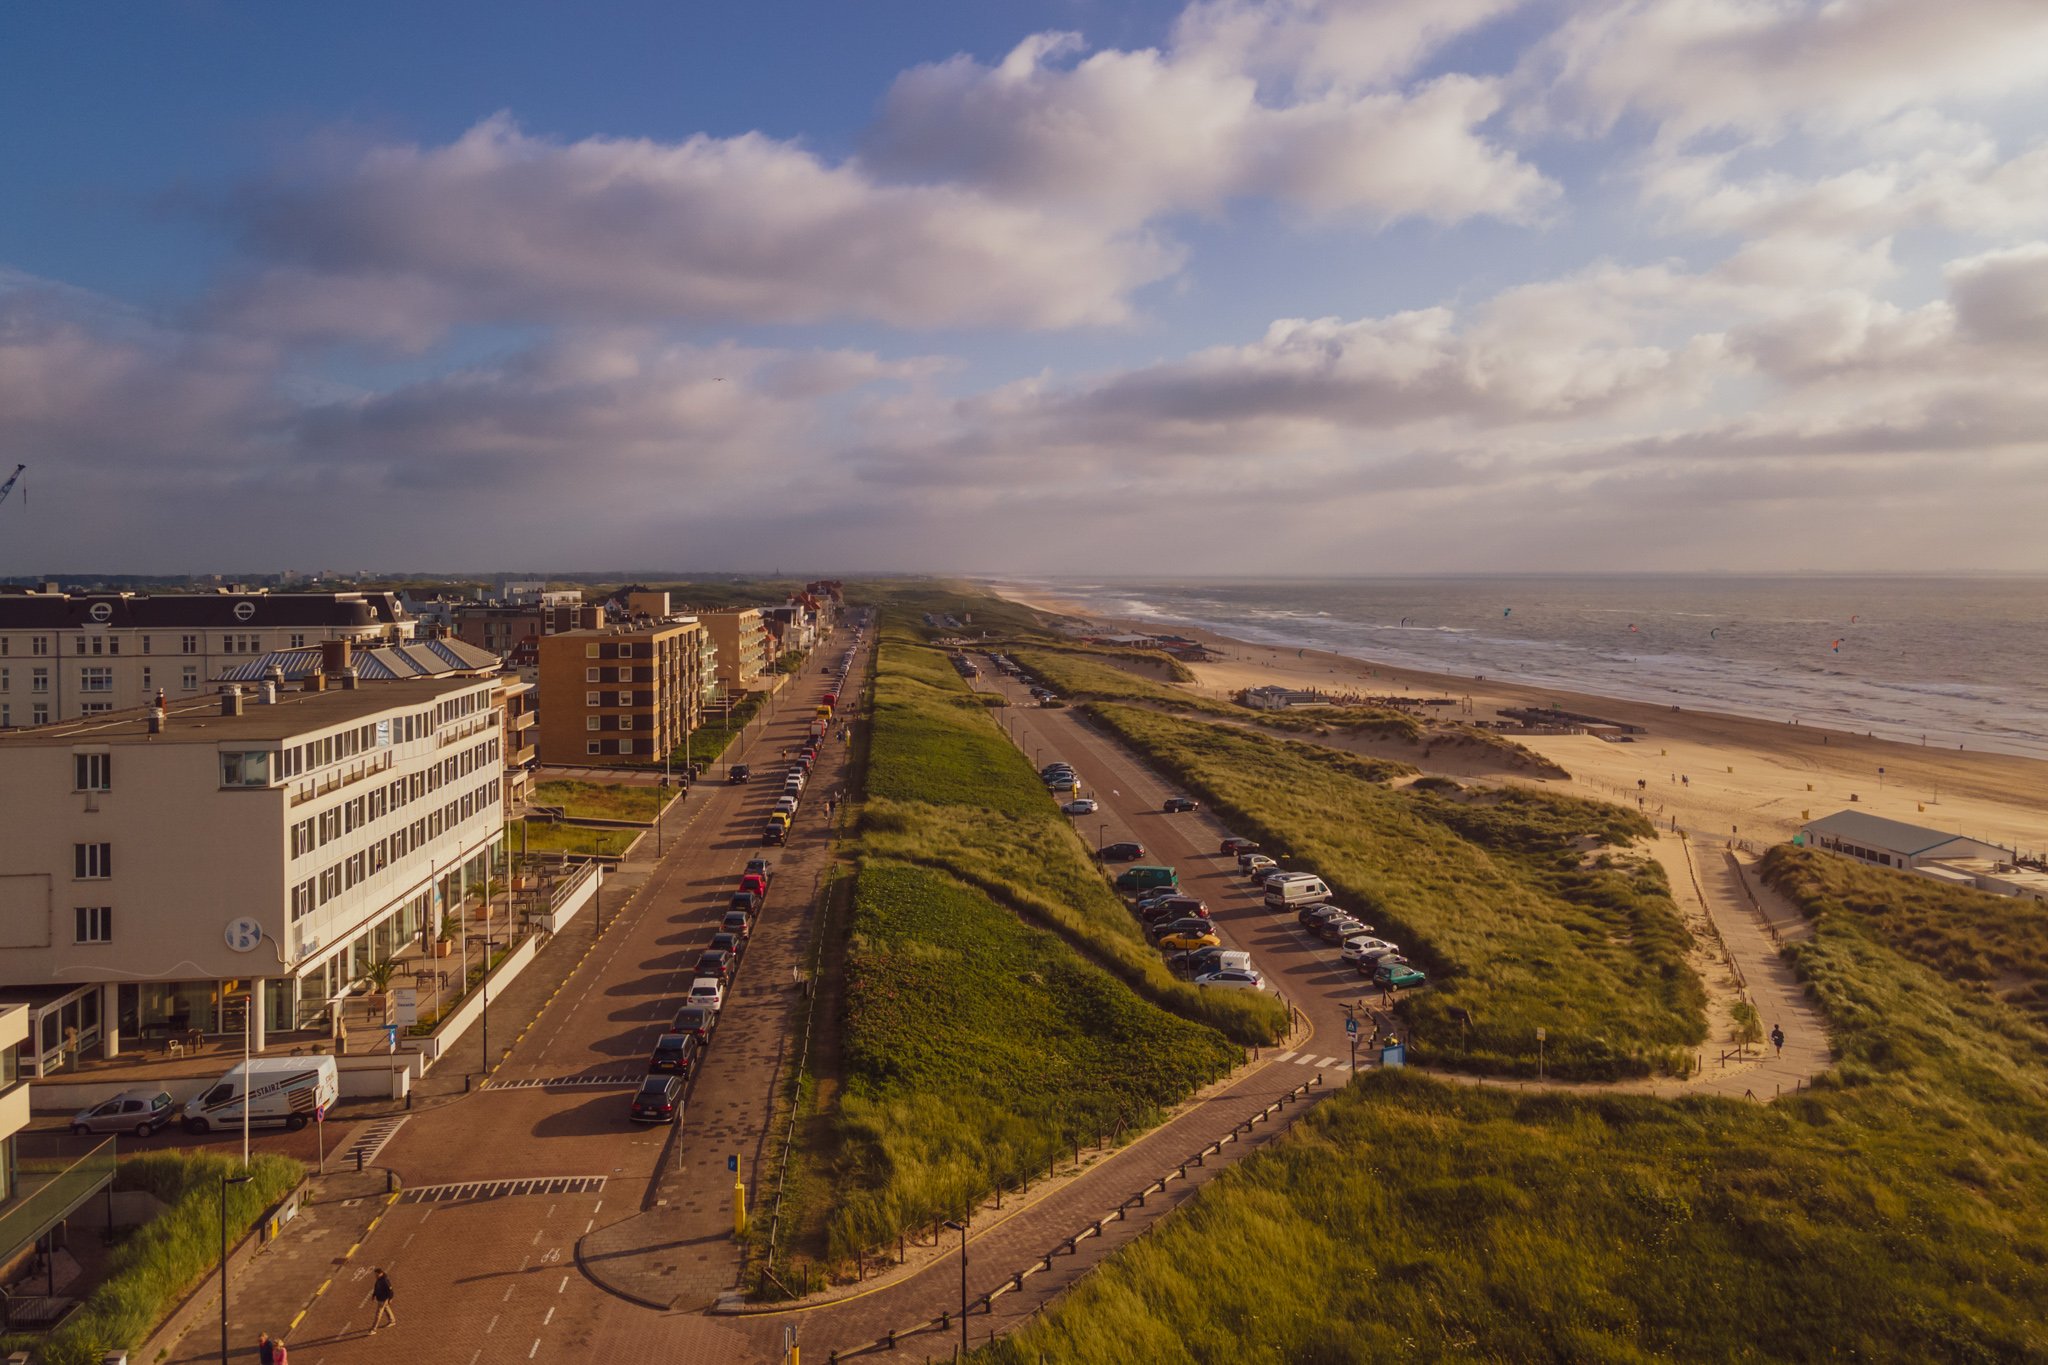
x: 756, y: 883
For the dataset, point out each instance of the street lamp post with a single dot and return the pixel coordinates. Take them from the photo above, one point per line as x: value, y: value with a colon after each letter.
x: 226, y: 1181
x: 1101, y: 836
x: 960, y: 1228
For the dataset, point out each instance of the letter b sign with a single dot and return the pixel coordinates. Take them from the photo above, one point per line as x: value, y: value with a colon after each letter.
x: 244, y: 934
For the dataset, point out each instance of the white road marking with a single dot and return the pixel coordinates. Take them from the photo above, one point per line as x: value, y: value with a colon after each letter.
x: 588, y: 1226
x: 494, y: 1325
x: 536, y: 1349
x: 508, y: 1294
x: 1285, y: 1055
x: 1305, y: 1059
x: 549, y: 1318
x: 563, y: 1287
x: 1328, y: 1061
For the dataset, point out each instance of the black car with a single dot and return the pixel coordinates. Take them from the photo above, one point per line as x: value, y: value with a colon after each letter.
x: 738, y: 923
x: 739, y: 772
x: 760, y: 867
x: 775, y: 833
x: 723, y: 942
x: 714, y: 964
x: 675, y: 1054
x: 1189, y: 925
x: 744, y: 902
x: 659, y: 1099
x: 696, y: 1021
x: 1122, y: 853
x: 1181, y: 803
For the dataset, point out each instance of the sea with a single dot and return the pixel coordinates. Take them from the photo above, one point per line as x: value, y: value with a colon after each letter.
x: 1941, y: 660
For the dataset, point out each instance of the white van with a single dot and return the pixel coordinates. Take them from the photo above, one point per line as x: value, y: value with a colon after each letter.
x: 285, y: 1090
x: 1297, y: 889
x: 1231, y: 962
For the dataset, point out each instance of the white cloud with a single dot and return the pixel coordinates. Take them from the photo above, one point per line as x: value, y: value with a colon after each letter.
x: 2001, y: 297
x: 403, y: 242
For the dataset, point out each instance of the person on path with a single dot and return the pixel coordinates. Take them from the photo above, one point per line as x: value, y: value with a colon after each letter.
x: 1778, y: 1038
x: 383, y: 1293
x: 266, y: 1349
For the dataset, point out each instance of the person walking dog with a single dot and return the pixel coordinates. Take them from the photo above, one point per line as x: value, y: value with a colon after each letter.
x: 383, y: 1293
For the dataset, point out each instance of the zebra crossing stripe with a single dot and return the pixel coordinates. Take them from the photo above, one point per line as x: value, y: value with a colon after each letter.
x: 1285, y: 1055
x: 1305, y: 1059
x: 1328, y: 1061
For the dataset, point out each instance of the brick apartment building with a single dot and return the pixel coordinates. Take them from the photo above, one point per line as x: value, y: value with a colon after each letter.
x: 620, y: 694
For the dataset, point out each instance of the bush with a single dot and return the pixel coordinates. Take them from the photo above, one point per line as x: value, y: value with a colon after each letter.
x: 1490, y: 892
x: 161, y: 1261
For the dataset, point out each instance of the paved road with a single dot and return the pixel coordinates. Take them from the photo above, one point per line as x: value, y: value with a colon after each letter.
x: 490, y: 1273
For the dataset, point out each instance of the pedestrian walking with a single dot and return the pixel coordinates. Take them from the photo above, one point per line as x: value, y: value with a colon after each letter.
x: 1778, y: 1038
x: 266, y: 1349
x: 383, y: 1293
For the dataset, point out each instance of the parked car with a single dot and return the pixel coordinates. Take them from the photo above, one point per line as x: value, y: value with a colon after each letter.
x: 1220, y: 959
x: 1398, y: 976
x: 729, y: 943
x: 786, y: 804
x: 745, y: 902
x: 707, y: 992
x: 738, y: 772
x: 1370, y: 959
x: 1157, y: 893
x: 1297, y: 888
x: 738, y: 923
x: 1233, y: 979
x: 1172, y: 907
x: 715, y: 964
x: 140, y: 1112
x: 1270, y: 876
x: 659, y: 1099
x: 1236, y: 844
x: 1309, y: 916
x: 1145, y: 878
x: 1125, y: 852
x: 1252, y: 864
x: 1187, y: 940
x: 1186, y: 925
x: 674, y: 1053
x: 754, y: 882
x: 762, y: 868
x: 1338, y: 928
x: 695, y: 1020
x: 1081, y: 805
x: 1176, y: 804
x: 1358, y: 945
x: 775, y: 832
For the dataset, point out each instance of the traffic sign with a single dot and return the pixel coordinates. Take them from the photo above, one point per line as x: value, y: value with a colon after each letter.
x: 1351, y: 1027
x: 732, y: 1163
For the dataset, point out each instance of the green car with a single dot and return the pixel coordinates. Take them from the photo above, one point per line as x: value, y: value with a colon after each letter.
x: 1398, y: 976
x: 1134, y: 879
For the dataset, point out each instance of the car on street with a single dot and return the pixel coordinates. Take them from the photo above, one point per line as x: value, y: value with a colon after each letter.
x: 1267, y: 876
x: 1188, y: 924
x: 674, y: 1053
x: 775, y: 832
x: 1358, y: 945
x: 1398, y: 976
x: 1219, y: 959
x: 1177, y: 804
x: 140, y: 1112
x: 1236, y: 844
x: 1125, y: 852
x: 1173, y: 907
x: 1369, y: 959
x: 1081, y: 805
x: 1187, y: 939
x: 739, y: 772
x: 745, y: 902
x: 1338, y: 928
x: 786, y: 804
x: 754, y: 882
x: 659, y: 1099
x: 695, y: 1020
x: 1142, y: 878
x: 708, y: 992
x: 731, y: 944
x: 1252, y: 864
x: 715, y: 964
x: 738, y: 923
x: 1309, y: 916
x: 762, y: 868
x: 1233, y: 979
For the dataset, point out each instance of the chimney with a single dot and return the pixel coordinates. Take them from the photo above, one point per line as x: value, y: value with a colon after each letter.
x: 335, y: 655
x: 349, y: 679
x: 266, y: 693
x: 231, y: 700
x: 316, y: 681
x: 156, y: 720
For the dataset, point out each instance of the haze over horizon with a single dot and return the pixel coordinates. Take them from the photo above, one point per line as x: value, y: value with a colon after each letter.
x: 1223, y: 288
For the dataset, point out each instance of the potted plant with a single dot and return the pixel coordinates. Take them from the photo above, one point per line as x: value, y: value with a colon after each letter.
x: 377, y: 984
x: 445, y: 944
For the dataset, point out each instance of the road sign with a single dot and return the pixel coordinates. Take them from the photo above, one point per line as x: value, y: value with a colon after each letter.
x: 319, y: 1113
x: 1351, y: 1027
x: 407, y: 1001
x: 1541, y: 1034
x: 732, y: 1163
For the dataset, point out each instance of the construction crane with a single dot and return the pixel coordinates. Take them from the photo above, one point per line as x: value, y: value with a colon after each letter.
x: 12, y: 479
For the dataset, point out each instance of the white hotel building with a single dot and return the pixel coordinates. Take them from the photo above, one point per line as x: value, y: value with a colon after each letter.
x: 156, y: 864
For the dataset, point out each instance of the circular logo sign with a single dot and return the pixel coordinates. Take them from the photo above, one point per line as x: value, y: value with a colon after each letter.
x: 100, y: 611
x: 244, y: 934
x: 244, y: 610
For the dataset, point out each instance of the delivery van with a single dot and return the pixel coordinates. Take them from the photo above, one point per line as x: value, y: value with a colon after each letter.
x: 276, y: 1090
x: 1297, y: 889
x: 1142, y: 878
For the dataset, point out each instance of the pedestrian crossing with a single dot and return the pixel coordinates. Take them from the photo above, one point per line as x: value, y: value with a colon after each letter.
x: 551, y: 1082
x: 370, y: 1140
x: 1310, y: 1059
x: 467, y: 1191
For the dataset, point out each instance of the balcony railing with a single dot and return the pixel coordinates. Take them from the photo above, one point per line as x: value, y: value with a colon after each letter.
x: 49, y: 1185
x: 309, y: 788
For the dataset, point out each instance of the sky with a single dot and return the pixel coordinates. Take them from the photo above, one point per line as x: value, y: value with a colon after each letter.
x: 1051, y: 286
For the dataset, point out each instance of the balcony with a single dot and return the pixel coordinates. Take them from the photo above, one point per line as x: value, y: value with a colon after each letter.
x: 309, y: 788
x: 52, y: 1179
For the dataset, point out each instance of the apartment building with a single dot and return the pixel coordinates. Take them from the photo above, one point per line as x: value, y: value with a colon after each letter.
x: 622, y: 694
x: 67, y: 655
x: 743, y: 646
x: 503, y: 627
x: 162, y: 865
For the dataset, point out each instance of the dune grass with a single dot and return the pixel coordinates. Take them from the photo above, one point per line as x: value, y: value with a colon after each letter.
x: 1898, y: 1211
x: 976, y: 1048
x: 159, y: 1262
x: 541, y: 837
x: 599, y: 800
x: 1494, y: 894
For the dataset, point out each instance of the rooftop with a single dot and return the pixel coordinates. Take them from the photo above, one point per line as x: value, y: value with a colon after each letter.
x: 1895, y: 836
x: 213, y: 610
x: 199, y: 721
x: 376, y: 663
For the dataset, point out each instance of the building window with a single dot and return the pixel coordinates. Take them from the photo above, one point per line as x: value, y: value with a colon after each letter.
x: 95, y: 923
x: 298, y: 642
x: 188, y: 680
x: 591, y: 747
x: 95, y: 679
x: 145, y: 644
x: 302, y: 900
x: 40, y: 715
x: 590, y: 722
x: 95, y: 708
x: 39, y: 644
x: 250, y: 769
x: 39, y: 680
x: 589, y: 698
x: 145, y: 680
x: 6, y: 679
x: 91, y: 862
x: 188, y: 644
x: 590, y: 651
x: 590, y: 675
x: 92, y: 771
x: 78, y: 644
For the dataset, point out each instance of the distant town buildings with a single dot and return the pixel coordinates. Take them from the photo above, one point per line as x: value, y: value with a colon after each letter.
x: 1933, y: 853
x: 159, y: 862
x: 744, y: 655
x: 65, y: 655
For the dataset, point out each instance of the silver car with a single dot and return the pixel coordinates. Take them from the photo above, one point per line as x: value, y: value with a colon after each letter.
x: 140, y: 1112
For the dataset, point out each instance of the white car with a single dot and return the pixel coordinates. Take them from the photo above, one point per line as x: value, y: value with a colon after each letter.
x: 1081, y: 805
x: 1233, y: 979
x: 706, y: 993
x: 786, y: 803
x: 1355, y: 949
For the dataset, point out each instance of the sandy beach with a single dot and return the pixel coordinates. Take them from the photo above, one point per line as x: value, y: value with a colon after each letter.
x: 1732, y: 776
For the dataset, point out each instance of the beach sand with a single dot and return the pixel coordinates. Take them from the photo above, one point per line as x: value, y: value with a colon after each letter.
x: 1732, y: 777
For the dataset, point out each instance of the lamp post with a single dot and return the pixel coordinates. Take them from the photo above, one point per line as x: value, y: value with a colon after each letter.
x: 485, y: 1013
x: 1101, y: 837
x: 960, y: 1228
x: 226, y: 1181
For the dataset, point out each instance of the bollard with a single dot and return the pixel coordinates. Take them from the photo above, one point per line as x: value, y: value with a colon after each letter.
x: 359, y: 1159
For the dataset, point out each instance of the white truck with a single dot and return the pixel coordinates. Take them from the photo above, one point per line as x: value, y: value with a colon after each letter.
x: 280, y: 1090
x: 1295, y: 890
